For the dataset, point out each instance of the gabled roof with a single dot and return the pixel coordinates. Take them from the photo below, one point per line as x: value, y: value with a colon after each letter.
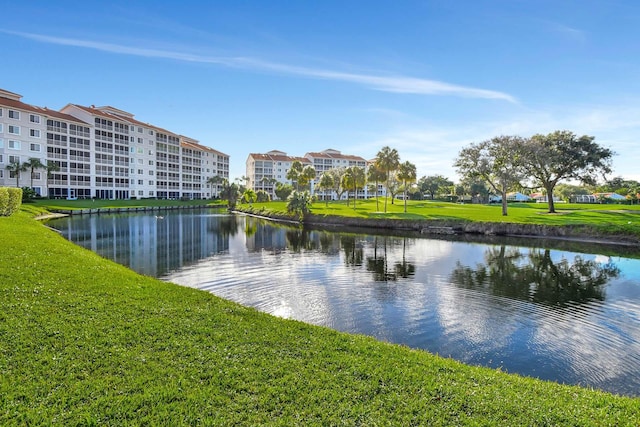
x: 13, y: 101
x: 193, y: 144
x: 334, y: 154
x: 278, y: 157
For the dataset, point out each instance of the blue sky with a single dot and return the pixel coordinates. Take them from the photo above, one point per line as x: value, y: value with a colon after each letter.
x: 424, y: 77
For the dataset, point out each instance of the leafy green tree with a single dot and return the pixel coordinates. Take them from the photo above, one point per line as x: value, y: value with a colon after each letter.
x: 263, y: 196
x: 283, y: 190
x: 566, y: 191
x: 325, y: 184
x: 354, y: 178
x: 406, y: 174
x: 388, y: 161
x: 17, y: 168
x: 496, y: 161
x: 548, y: 159
x: 336, y: 174
x: 376, y: 175
x: 394, y: 186
x: 434, y: 184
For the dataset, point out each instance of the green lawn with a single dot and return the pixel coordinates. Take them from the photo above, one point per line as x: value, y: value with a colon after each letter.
x: 97, y: 203
x: 84, y: 341
x: 607, y: 219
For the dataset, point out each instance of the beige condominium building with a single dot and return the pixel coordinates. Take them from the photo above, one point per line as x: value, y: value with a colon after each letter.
x: 101, y: 152
x: 265, y: 170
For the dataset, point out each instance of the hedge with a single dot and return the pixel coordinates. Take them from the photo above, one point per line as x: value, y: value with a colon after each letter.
x: 10, y: 200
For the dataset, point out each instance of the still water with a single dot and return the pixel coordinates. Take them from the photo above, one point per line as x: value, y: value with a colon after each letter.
x: 562, y: 311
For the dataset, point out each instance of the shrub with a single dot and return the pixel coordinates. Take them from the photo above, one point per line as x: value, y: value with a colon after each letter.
x: 4, y: 201
x: 10, y: 200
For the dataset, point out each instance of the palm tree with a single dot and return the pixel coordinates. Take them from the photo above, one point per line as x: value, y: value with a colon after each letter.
x: 354, y: 177
x: 376, y: 175
x: 51, y: 167
x: 249, y: 196
x: 307, y: 176
x: 33, y: 163
x: 17, y: 167
x: 326, y: 183
x: 387, y: 160
x: 406, y: 174
x: 215, y: 180
x: 294, y: 172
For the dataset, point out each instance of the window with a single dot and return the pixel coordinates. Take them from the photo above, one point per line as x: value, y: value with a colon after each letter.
x: 150, y: 172
x: 150, y: 132
x: 14, y: 145
x: 1, y: 160
x: 150, y: 153
x: 13, y: 114
x: 34, y: 147
x: 140, y: 193
x: 14, y: 130
x: 140, y: 140
x: 34, y: 118
x: 139, y: 129
x: 150, y: 162
x: 0, y: 127
x: 35, y: 175
x: 141, y: 182
x: 140, y: 171
x: 0, y: 112
x: 140, y: 151
x: 14, y: 159
x: 34, y: 133
x: 150, y: 182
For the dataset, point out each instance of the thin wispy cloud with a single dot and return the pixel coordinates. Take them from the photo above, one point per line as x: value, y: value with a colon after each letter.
x: 394, y: 84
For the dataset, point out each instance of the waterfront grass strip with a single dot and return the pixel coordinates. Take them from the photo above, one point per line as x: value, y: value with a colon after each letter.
x: 84, y: 341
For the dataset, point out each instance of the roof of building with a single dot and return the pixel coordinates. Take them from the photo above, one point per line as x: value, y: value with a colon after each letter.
x: 192, y: 143
x: 334, y: 154
x: 278, y: 157
x: 12, y: 100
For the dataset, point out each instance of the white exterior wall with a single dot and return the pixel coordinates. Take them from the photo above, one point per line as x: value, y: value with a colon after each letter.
x: 22, y: 139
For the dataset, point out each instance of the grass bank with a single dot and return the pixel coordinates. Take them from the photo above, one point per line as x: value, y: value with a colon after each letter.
x: 596, y: 220
x: 84, y: 341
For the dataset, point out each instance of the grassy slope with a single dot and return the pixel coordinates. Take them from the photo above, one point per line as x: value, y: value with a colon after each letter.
x: 606, y: 219
x: 86, y: 341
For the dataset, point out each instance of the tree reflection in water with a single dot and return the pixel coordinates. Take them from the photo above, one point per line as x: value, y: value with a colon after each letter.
x: 535, y: 277
x: 378, y: 264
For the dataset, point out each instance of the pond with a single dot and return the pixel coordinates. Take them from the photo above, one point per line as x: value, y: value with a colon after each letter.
x: 556, y: 310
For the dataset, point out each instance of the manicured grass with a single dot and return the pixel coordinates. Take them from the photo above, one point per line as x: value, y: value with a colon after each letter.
x: 84, y: 341
x: 605, y: 219
x: 97, y: 203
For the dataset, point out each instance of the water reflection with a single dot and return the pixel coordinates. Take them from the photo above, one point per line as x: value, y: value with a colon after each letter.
x: 552, y: 311
x: 533, y: 275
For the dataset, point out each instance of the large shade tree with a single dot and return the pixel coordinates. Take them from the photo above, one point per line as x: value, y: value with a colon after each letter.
x: 388, y: 161
x: 496, y: 161
x: 434, y: 184
x: 407, y: 174
x: 548, y: 159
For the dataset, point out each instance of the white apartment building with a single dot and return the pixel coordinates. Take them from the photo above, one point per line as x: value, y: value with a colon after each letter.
x: 101, y: 152
x: 265, y: 170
